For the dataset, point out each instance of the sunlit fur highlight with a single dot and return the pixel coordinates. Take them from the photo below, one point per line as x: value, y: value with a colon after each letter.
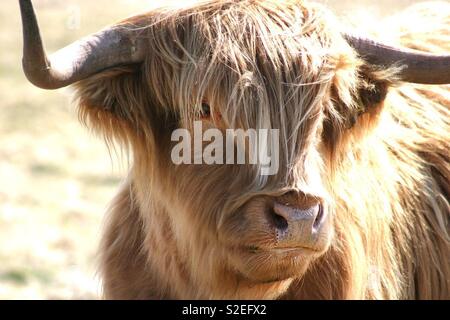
x: 381, y: 161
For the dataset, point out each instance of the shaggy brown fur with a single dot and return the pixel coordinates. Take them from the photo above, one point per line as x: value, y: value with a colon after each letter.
x: 375, y: 149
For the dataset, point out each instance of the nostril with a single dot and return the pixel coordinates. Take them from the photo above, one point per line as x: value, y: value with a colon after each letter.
x: 319, y: 218
x: 278, y: 221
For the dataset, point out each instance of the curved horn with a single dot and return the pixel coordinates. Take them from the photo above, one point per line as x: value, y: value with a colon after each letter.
x: 420, y: 67
x: 117, y: 45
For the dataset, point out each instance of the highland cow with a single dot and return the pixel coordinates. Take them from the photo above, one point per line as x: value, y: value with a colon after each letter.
x: 359, y: 206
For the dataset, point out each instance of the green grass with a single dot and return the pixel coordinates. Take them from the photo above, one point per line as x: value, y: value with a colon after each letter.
x: 21, y: 276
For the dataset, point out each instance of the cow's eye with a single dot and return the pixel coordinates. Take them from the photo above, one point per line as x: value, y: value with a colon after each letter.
x: 206, y: 110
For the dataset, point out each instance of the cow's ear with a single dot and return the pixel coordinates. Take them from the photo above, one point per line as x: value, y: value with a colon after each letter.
x: 357, y: 100
x: 109, y: 102
x: 104, y: 92
x: 371, y: 93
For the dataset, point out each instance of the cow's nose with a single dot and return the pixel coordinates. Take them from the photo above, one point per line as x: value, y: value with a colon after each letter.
x: 297, y: 226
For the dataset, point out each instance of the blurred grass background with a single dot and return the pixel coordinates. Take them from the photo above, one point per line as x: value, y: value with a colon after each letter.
x: 56, y: 178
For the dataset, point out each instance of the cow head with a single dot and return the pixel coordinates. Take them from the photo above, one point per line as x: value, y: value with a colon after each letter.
x: 232, y: 65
